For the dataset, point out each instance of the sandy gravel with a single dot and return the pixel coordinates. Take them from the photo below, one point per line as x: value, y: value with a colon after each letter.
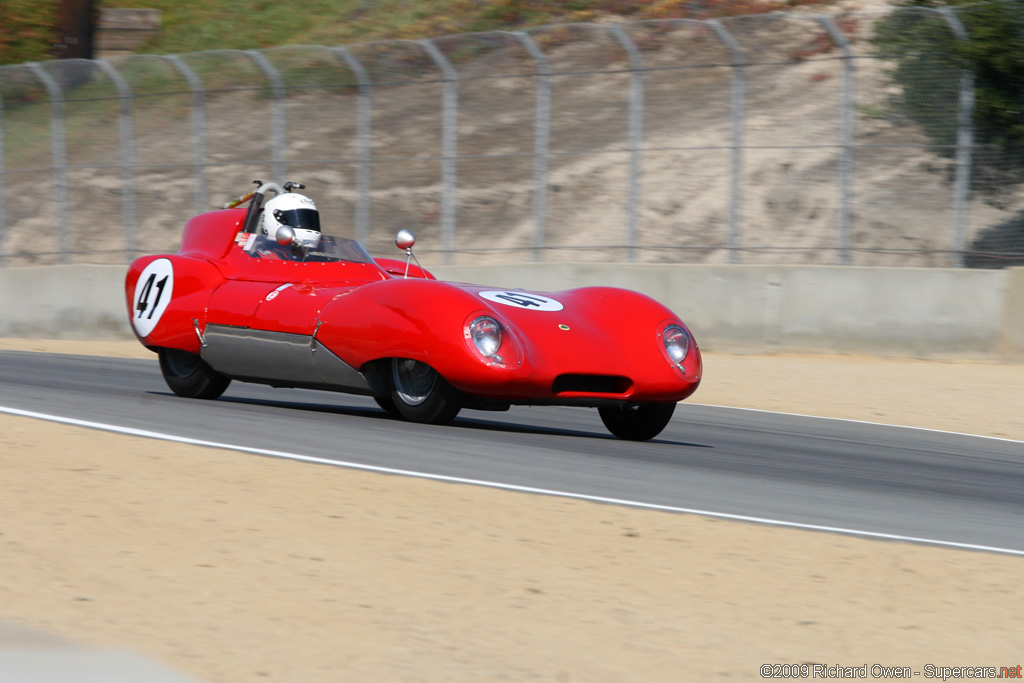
x: 234, y: 568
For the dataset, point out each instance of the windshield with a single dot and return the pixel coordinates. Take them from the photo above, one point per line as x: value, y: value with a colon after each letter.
x: 329, y: 250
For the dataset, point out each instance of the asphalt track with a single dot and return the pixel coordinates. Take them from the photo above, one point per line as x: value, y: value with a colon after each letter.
x: 834, y: 475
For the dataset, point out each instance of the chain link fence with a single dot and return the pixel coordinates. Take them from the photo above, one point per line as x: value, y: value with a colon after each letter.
x: 779, y: 138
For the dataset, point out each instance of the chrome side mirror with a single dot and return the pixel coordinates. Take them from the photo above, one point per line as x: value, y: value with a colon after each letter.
x: 285, y: 235
x: 405, y: 239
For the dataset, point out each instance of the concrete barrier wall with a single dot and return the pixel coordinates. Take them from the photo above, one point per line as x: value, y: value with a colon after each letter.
x: 64, y: 302
x: 1011, y: 329
x: 883, y: 311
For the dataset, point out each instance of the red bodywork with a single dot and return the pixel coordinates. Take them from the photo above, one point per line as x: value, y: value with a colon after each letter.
x: 238, y: 312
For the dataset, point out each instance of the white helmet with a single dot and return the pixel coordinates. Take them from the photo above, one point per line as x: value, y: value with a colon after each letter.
x: 294, y: 210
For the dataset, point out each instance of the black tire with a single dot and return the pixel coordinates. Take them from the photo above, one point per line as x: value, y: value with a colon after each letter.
x: 188, y: 375
x: 637, y: 422
x: 420, y: 394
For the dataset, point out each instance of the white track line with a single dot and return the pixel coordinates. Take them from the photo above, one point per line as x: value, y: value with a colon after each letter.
x: 862, y: 422
x: 497, y: 485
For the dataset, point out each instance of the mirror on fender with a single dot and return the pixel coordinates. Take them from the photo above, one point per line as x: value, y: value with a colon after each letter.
x: 405, y: 239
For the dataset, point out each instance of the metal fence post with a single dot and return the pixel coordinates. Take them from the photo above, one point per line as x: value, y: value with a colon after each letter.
x: 58, y: 145
x: 737, y: 115
x: 449, y: 146
x: 364, y: 113
x: 636, y: 138
x: 278, y: 125
x: 964, y: 144
x: 845, y: 137
x: 126, y: 132
x: 541, y: 144
x: 198, y: 120
x: 3, y: 191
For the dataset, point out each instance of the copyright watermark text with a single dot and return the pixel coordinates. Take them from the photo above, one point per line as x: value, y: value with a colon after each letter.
x: 928, y: 671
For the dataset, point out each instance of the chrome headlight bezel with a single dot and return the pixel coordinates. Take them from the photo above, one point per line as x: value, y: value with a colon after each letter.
x: 675, y: 342
x: 486, y: 335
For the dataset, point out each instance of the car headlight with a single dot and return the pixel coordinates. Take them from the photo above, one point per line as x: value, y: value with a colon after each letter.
x: 677, y: 344
x: 486, y: 334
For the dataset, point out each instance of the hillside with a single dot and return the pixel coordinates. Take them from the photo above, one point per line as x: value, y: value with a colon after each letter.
x: 900, y: 191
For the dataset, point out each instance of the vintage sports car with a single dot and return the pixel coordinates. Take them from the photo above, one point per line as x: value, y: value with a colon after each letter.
x: 260, y: 295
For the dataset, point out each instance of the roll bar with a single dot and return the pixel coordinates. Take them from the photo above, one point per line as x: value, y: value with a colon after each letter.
x: 256, y: 197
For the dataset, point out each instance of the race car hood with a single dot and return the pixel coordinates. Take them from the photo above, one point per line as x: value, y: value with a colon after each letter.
x: 585, y: 330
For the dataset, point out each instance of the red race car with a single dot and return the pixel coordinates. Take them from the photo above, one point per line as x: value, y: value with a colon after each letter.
x: 262, y: 295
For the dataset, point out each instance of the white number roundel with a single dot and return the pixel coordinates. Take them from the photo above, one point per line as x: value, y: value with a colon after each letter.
x: 152, y: 294
x: 533, y: 302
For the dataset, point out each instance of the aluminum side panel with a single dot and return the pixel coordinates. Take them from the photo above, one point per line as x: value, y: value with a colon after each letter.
x: 279, y: 359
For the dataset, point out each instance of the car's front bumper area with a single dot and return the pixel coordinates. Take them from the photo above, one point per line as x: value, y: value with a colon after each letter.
x: 642, y: 378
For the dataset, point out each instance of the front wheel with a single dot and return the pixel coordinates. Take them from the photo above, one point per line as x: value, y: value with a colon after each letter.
x: 188, y: 375
x: 420, y: 394
x: 637, y: 422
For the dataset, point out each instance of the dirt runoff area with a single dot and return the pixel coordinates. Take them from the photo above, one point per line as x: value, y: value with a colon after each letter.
x: 229, y: 567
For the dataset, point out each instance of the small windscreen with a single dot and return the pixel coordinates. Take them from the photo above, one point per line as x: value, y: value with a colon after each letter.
x: 330, y: 249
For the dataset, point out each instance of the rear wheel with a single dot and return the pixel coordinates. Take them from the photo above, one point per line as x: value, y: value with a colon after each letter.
x: 188, y: 375
x: 420, y: 394
x: 637, y: 422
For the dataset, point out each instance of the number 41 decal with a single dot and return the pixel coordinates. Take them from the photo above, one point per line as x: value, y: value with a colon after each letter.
x: 152, y: 294
x: 144, y: 295
x: 530, y: 301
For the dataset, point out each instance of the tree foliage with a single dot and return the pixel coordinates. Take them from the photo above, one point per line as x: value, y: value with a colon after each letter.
x: 928, y: 60
x: 28, y: 30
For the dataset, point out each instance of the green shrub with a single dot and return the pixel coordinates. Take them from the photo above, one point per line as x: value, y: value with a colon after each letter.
x: 29, y: 30
x: 928, y: 59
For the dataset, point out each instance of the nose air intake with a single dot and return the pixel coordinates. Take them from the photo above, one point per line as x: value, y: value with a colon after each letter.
x: 591, y: 384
